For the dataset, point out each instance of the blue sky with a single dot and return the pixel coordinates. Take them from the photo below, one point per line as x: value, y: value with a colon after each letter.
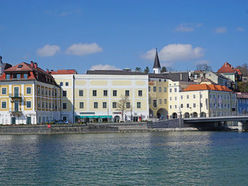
x: 109, y: 34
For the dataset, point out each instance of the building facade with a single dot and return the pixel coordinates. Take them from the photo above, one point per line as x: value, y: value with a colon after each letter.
x: 202, y: 100
x: 242, y: 101
x: 158, y: 98
x: 28, y: 95
x: 101, y: 96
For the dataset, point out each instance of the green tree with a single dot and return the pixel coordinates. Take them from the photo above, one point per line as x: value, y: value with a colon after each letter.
x: 242, y: 86
x: 137, y: 69
x: 163, y: 69
x: 146, y: 70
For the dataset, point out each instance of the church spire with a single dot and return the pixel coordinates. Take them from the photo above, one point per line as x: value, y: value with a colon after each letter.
x: 156, y: 65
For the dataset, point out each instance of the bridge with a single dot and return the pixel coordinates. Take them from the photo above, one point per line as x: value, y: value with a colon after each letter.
x: 218, y: 123
x: 215, y: 119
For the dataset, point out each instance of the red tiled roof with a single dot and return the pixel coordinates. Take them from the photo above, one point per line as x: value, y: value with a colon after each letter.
x: 228, y: 68
x: 195, y: 87
x: 69, y: 71
x: 33, y: 70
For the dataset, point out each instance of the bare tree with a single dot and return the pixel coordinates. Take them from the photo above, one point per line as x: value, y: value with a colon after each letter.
x: 203, y: 67
x: 123, y: 105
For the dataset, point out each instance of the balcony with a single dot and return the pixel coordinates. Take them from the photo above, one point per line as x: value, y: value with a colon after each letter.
x: 15, y: 96
x: 15, y: 112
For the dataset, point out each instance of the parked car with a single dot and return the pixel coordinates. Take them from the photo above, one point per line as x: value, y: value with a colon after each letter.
x: 61, y: 122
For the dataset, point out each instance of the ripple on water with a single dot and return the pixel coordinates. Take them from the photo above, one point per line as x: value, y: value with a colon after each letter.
x: 195, y: 158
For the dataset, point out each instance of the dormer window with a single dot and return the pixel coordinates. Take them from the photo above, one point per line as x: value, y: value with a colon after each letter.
x: 18, y: 76
x: 20, y: 66
x: 8, y: 76
x: 25, y: 76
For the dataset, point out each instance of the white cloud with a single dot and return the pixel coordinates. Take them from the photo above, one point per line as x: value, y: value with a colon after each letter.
x: 176, y: 52
x: 221, y: 30
x: 240, y: 29
x: 48, y: 50
x: 187, y: 27
x: 81, y: 49
x: 103, y: 67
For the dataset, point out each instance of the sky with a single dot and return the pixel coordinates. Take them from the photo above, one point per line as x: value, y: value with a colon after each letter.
x: 117, y: 34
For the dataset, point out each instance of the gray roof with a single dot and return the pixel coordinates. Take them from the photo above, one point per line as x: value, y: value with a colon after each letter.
x: 114, y: 72
x: 174, y: 76
x: 156, y: 61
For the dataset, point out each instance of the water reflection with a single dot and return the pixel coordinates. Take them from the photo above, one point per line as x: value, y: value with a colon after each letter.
x: 128, y: 159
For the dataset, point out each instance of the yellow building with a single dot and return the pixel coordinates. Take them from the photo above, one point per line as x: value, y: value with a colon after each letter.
x: 96, y: 96
x: 158, y: 98
x: 28, y: 95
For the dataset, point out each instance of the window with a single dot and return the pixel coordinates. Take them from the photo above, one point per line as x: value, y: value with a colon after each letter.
x: 95, y: 104
x: 170, y: 89
x: 170, y: 106
x: 8, y: 76
x: 81, y: 105
x: 170, y: 98
x: 67, y: 84
x: 140, y: 92
x: 105, y: 93
x: 165, y: 101
x: 128, y: 105
x: 181, y: 105
x: 64, y: 93
x: 28, y: 104
x: 114, y: 92
x: 194, y: 105
x: 159, y: 89
x: 114, y: 104
x: 94, y: 93
x: 165, y: 89
x: 175, y: 98
x: 175, y: 106
x: 155, y: 103
x: 175, y: 89
x: 187, y: 96
x: 138, y: 104
x: 18, y: 76
x: 126, y: 92
x: 4, y: 104
x: 181, y: 97
x: 28, y: 90
x: 64, y: 105
x: 154, y: 89
x: 160, y: 101
x: 4, y: 91
x: 25, y: 76
x: 149, y: 88
x: 61, y: 83
x: 81, y: 93
x: 187, y: 105
x: 194, y: 96
x: 104, y: 104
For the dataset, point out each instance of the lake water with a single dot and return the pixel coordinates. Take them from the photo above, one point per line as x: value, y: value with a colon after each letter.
x: 192, y: 158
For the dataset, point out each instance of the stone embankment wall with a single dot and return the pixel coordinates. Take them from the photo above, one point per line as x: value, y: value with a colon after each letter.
x: 170, y: 125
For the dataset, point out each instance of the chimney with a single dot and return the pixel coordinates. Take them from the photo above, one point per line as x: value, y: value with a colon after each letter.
x: 35, y: 65
x: 1, y: 59
x: 32, y: 64
x: 47, y: 71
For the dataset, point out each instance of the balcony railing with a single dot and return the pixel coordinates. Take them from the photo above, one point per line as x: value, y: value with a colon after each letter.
x: 15, y: 112
x: 15, y: 96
